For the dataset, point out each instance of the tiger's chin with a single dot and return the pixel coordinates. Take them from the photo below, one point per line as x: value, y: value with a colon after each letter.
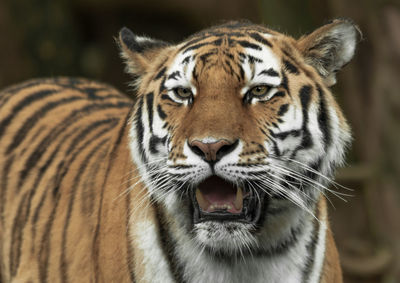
x: 226, y: 216
x: 226, y: 239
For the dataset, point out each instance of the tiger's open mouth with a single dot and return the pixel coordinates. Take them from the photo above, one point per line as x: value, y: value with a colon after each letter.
x: 217, y: 199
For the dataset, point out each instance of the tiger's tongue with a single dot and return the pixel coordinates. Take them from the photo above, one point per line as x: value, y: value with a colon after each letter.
x: 216, y: 194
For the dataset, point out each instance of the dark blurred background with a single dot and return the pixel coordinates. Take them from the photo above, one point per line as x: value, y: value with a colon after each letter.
x: 42, y: 38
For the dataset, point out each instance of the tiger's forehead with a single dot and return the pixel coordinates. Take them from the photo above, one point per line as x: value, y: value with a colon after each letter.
x: 247, y: 55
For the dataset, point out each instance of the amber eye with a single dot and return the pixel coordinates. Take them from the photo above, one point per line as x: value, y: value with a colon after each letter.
x: 184, y: 93
x: 259, y: 91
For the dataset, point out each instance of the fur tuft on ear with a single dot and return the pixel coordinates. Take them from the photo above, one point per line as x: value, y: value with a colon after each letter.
x: 138, y: 51
x: 330, y: 47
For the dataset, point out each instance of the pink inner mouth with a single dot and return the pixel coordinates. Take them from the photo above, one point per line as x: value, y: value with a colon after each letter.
x: 216, y: 194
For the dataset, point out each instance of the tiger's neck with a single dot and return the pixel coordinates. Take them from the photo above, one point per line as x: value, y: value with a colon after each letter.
x: 171, y: 256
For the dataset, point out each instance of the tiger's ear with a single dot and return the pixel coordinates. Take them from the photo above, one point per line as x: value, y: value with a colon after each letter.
x: 330, y: 47
x: 137, y: 51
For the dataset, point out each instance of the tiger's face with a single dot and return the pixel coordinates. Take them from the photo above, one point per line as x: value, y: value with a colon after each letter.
x: 235, y: 131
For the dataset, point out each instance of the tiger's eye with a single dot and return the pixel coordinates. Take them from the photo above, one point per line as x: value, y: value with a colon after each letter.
x: 259, y: 90
x: 184, y: 93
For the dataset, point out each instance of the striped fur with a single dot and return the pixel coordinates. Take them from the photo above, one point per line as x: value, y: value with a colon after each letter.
x: 97, y: 188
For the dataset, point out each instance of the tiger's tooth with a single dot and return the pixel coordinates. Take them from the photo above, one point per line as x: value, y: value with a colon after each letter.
x: 203, y: 203
x: 238, y: 203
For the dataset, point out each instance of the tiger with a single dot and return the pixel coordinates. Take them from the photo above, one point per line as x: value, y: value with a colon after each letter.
x: 216, y: 169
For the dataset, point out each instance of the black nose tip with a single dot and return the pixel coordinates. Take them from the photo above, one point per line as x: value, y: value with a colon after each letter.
x: 213, y: 152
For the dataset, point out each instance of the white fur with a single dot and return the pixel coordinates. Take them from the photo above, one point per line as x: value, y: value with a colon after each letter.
x: 156, y: 266
x: 319, y: 252
x: 201, y: 267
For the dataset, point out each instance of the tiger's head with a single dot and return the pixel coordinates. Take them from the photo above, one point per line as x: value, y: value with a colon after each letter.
x: 235, y: 131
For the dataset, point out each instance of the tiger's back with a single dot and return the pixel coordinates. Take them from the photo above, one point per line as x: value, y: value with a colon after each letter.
x: 56, y: 137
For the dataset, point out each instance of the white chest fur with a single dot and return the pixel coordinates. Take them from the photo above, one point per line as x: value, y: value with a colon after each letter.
x: 200, y: 267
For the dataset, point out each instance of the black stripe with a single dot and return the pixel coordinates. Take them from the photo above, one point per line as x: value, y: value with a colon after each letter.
x: 270, y: 72
x: 228, y: 34
x: 283, y: 109
x: 228, y: 63
x: 129, y: 249
x: 260, y: 39
x: 34, y: 137
x: 323, y: 119
x: 194, y: 74
x: 306, y: 142
x: 162, y: 86
x: 88, y: 192
x: 316, y: 166
x: 174, y: 75
x: 204, y: 57
x: 216, y: 42
x: 31, y: 121
x: 311, y: 249
x: 253, y: 59
x: 241, y: 72
x: 168, y: 244
x: 154, y: 141
x: 228, y: 67
x: 279, y: 94
x: 247, y: 44
x: 16, y: 235
x: 92, y: 92
x: 161, y: 113
x: 186, y: 60
x: 149, y: 102
x: 77, y: 180
x: 305, y: 97
x: 16, y: 88
x: 160, y: 73
x: 35, y: 218
x: 4, y: 185
x: 290, y: 67
x: 140, y: 130
x: 191, y: 42
x: 44, y: 248
x: 166, y: 97
x: 9, y: 92
x: 229, y: 55
x: 275, y: 148
x: 27, y: 101
x: 285, y: 83
x: 284, y: 135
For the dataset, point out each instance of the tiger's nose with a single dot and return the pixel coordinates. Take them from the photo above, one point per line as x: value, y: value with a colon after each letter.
x: 213, y: 152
